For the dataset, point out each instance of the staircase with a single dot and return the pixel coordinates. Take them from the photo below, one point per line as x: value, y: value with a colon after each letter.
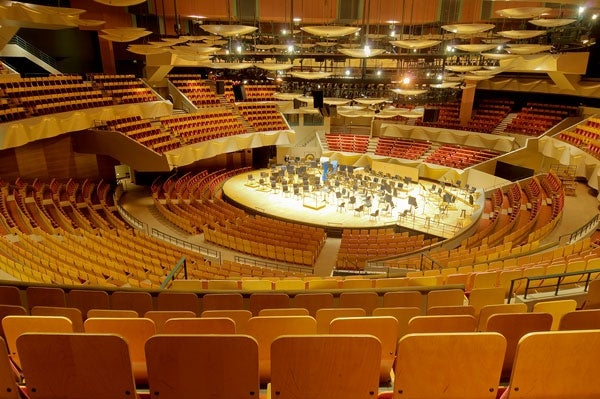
x: 501, y: 128
x: 373, y: 141
x: 321, y: 135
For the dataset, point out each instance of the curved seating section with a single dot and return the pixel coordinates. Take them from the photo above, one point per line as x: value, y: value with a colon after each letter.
x: 347, y: 142
x: 263, y: 117
x: 357, y: 246
x: 206, y: 125
x: 401, y: 148
x: 456, y: 156
x: 124, y: 89
x: 142, y: 131
x: 253, y: 92
x: 585, y: 135
x: 536, y: 118
x: 197, y: 91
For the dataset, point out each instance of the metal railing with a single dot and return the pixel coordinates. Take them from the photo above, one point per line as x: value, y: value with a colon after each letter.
x: 25, y: 45
x: 181, y: 263
x: 556, y: 284
x: 132, y: 220
x: 208, y: 252
x: 580, y: 232
x: 273, y: 265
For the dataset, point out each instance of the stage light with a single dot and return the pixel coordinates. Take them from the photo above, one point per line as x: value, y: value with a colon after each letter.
x: 406, y: 80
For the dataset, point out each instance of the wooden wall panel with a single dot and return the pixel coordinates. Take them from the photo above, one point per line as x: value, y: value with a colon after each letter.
x: 59, y: 156
x: 8, y: 165
x: 115, y: 17
x: 31, y: 160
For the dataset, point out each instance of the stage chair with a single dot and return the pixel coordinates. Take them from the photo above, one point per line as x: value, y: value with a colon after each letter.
x: 14, y: 326
x: 160, y: 317
x: 85, y: 300
x: 467, y: 366
x: 260, y: 301
x: 313, y: 301
x: 452, y: 297
x: 136, y: 332
x: 141, y: 302
x: 513, y: 326
x: 487, y: 311
x: 239, y: 316
x: 556, y: 308
x: 231, y: 301
x: 442, y: 324
x: 46, y: 296
x: 72, y: 314
x: 385, y: 328
x: 403, y: 299
x: 75, y: 366
x: 558, y: 364
x: 203, y: 366
x: 325, y: 366
x: 365, y: 300
x: 580, y: 320
x: 187, y: 301
x: 401, y: 314
x: 324, y: 316
x: 126, y: 313
x: 265, y: 329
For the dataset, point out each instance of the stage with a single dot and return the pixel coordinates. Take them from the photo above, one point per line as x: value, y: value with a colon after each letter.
x: 356, y: 200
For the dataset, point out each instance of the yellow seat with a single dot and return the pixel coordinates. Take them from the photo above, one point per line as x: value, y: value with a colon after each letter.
x: 560, y: 364
x: 136, y: 332
x: 445, y: 323
x: 556, y: 308
x: 326, y: 315
x: 202, y: 366
x: 75, y: 366
x: 223, y: 301
x: 403, y: 299
x: 452, y: 297
x: 160, y: 317
x: 313, y: 301
x: 489, y: 310
x: 385, y: 328
x: 239, y: 316
x: 451, y: 310
x: 8, y: 384
x: 284, y: 312
x: 480, y: 297
x: 364, y: 300
x: 72, y: 314
x: 580, y: 320
x: 265, y: 329
x: 126, y: 313
x: 401, y: 314
x: 458, y: 359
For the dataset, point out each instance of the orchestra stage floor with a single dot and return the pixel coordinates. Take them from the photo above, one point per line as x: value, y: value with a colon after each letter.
x: 320, y: 208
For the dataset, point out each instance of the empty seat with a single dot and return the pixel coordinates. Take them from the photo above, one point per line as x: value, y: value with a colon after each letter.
x: 46, y: 296
x: 72, y: 314
x: 444, y: 323
x: 260, y: 301
x: 556, y: 308
x: 141, y: 302
x: 160, y: 317
x: 200, y: 325
x: 239, y: 316
x: 223, y: 301
x: 580, y: 320
x: 312, y: 301
x: 85, y: 300
x: 325, y: 316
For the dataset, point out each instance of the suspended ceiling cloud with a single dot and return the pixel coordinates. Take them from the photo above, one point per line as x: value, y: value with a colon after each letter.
x: 330, y: 31
x: 551, y: 23
x: 468, y: 28
x: 415, y: 43
x: 124, y: 35
x: 521, y: 34
x: 361, y: 52
x: 229, y: 30
x: 311, y: 75
x: 119, y: 3
x: 475, y: 48
x: 523, y: 12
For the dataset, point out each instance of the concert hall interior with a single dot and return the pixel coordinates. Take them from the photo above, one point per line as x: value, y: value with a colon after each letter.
x: 339, y: 169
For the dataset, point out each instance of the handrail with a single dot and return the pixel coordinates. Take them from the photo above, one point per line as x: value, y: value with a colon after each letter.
x: 132, y: 220
x: 559, y: 277
x: 187, y: 245
x: 25, y: 45
x: 181, y: 263
x: 273, y: 265
x: 575, y: 235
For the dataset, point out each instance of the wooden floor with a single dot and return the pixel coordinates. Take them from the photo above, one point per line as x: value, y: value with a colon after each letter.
x: 321, y: 208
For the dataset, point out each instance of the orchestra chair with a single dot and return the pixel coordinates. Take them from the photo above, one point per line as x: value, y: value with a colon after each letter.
x: 326, y: 315
x: 325, y: 366
x: 229, y: 300
x: 385, y: 328
x: 136, y: 332
x: 75, y: 366
x: 160, y: 317
x: 14, y: 326
x: 240, y: 317
x: 442, y: 324
x: 199, y: 325
x: 265, y: 329
x: 72, y: 314
x: 448, y: 366
x: 580, y: 320
x: 202, y: 366
x: 556, y: 364
x: 85, y: 300
x: 513, y: 326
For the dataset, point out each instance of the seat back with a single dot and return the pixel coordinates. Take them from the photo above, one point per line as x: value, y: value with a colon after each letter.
x: 259, y: 301
x: 75, y: 366
x: 440, y: 324
x: 312, y: 301
x: 10, y: 295
x: 403, y: 299
x: 284, y: 312
x: 557, y: 364
x: 385, y: 328
x: 200, y: 325
x: 14, y: 326
x: 7, y: 310
x: 230, y: 300
x: 480, y: 297
x: 580, y: 320
x: 46, y: 296
x: 139, y: 301
x: 239, y: 316
x: 326, y: 366
x: 513, y: 326
x: 452, y: 297
x: 402, y: 315
x: 160, y: 317
x: 556, y: 308
x: 364, y: 300
x: 8, y: 384
x: 324, y: 316
x: 265, y: 329
x: 72, y: 314
x: 449, y: 366
x: 451, y: 310
x: 85, y: 300
x: 112, y: 313
x: 203, y: 366
x: 188, y: 301
x: 489, y: 310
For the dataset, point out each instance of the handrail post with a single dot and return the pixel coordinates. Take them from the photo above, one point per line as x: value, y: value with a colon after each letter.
x: 526, y: 288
